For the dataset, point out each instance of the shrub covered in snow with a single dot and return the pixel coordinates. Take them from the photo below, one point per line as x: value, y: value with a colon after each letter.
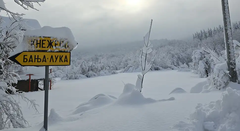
x: 201, y: 62
x: 220, y: 77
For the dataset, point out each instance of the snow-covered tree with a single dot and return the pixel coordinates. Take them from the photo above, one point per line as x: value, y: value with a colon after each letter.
x: 10, y: 112
x: 11, y: 115
x: 201, y: 62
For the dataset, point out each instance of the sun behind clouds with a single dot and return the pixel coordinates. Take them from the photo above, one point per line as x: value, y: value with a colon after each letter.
x: 134, y: 5
x: 133, y: 2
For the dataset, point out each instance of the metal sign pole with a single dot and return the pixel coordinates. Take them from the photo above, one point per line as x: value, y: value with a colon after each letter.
x: 46, y: 88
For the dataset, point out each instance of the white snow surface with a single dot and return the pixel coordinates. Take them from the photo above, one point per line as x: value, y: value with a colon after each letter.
x: 111, y: 107
x: 95, y: 102
x: 198, y: 88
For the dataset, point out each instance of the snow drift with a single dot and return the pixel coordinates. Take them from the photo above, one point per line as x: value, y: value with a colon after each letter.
x: 131, y: 96
x: 177, y: 91
x: 95, y: 102
x: 54, y: 117
x: 198, y: 88
x: 221, y: 115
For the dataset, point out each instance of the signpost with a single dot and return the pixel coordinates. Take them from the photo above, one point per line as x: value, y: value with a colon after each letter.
x: 46, y: 51
x: 46, y: 89
x: 42, y: 58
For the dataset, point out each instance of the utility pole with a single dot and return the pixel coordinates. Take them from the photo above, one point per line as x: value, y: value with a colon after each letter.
x: 231, y: 62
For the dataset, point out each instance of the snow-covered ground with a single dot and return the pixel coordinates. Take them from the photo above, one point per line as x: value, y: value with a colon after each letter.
x: 100, y: 104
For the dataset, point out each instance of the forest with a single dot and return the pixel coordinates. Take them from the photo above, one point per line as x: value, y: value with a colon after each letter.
x: 200, y: 53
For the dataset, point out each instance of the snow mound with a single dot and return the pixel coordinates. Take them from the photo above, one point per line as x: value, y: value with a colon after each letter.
x: 54, y: 117
x: 199, y: 87
x: 184, y: 70
x: 169, y: 99
x: 131, y: 96
x: 95, y: 102
x: 221, y: 115
x: 178, y: 91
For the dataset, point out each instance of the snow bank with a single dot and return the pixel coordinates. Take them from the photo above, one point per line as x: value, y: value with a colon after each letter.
x: 95, y: 102
x: 169, y: 99
x: 199, y: 87
x: 177, y: 91
x: 221, y: 115
x: 131, y: 96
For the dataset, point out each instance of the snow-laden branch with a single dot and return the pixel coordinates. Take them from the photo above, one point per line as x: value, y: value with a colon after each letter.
x: 10, y: 111
x: 26, y: 4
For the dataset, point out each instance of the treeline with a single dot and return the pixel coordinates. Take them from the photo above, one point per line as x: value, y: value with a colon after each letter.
x: 204, y: 34
x: 167, y: 54
x: 202, y: 54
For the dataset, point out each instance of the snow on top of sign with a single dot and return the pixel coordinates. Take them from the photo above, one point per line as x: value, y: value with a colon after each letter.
x: 60, y: 32
x: 25, y: 24
x: 38, y: 73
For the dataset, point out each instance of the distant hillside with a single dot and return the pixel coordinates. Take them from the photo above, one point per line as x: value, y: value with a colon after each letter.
x: 117, y: 48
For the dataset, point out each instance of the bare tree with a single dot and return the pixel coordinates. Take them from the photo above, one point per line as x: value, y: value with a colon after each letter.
x: 145, y: 64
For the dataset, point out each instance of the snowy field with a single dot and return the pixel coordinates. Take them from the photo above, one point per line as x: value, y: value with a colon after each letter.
x: 100, y: 104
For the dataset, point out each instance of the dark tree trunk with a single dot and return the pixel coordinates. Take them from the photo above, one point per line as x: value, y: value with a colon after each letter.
x: 231, y: 63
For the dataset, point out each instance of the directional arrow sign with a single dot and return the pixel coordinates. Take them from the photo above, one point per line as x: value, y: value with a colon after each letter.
x: 42, y: 58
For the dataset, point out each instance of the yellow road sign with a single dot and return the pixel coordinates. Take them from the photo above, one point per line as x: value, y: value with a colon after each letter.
x: 46, y: 44
x: 42, y: 58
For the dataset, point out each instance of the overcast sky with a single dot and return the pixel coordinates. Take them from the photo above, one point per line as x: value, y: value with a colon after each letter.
x: 96, y: 22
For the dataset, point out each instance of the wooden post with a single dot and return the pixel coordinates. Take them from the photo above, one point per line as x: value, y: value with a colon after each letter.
x: 29, y: 86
